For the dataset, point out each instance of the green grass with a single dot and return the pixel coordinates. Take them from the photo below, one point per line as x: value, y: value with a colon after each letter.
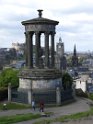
x: 14, y: 106
x: 90, y: 96
x: 68, y: 117
x: 74, y: 116
x: 18, y: 118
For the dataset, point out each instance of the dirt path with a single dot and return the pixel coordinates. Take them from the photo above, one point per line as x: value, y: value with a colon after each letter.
x: 80, y: 105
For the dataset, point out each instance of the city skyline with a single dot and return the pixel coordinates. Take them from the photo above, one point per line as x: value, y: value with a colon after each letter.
x: 75, y: 21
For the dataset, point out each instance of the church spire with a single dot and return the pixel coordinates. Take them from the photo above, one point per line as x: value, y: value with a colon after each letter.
x: 75, y: 53
x: 75, y: 58
x: 60, y: 40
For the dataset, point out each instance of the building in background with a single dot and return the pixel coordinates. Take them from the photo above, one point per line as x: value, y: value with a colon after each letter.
x: 61, y: 62
x: 75, y: 58
x: 60, y: 48
x: 19, y: 47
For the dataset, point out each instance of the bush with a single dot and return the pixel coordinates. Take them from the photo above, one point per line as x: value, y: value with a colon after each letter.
x: 67, y: 81
x: 3, y: 93
x: 80, y: 93
x: 9, y: 76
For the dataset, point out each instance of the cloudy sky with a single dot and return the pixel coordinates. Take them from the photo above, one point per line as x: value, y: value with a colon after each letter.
x: 75, y: 21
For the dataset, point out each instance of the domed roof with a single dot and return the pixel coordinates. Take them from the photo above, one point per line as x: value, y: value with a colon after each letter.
x: 40, y: 20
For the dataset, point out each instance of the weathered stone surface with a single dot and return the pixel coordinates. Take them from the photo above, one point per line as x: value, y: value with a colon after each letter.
x: 43, y: 28
x: 24, y: 83
x: 40, y: 74
x: 41, y: 84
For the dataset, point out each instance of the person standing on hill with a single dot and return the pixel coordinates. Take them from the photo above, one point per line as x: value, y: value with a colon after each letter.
x: 41, y: 106
x: 33, y: 105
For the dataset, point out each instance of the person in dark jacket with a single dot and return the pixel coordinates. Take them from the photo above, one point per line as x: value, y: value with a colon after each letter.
x: 42, y: 106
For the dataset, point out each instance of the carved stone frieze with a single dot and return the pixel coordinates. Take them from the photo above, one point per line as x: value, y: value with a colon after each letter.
x: 39, y: 27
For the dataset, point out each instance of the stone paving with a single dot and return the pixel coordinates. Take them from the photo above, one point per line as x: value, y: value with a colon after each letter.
x: 80, y: 105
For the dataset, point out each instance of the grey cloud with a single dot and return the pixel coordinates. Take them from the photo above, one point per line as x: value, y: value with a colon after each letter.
x: 75, y: 10
x: 9, y: 25
x: 71, y: 29
x: 14, y: 31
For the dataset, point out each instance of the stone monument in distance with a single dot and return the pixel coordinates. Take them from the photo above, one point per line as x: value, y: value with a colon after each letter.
x: 39, y: 81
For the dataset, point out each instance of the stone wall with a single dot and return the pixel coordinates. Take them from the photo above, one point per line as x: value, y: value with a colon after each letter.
x: 39, y: 84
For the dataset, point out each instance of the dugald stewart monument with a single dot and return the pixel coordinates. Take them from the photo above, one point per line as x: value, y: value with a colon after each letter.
x: 40, y: 78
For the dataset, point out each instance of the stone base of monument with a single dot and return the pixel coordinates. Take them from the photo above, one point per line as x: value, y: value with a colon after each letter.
x: 40, y: 84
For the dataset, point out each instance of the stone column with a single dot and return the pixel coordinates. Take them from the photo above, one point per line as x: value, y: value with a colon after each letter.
x: 47, y: 49
x: 9, y: 92
x: 30, y: 94
x: 52, y: 51
x: 58, y: 96
x: 26, y: 53
x: 37, y: 44
x: 73, y: 92
x: 29, y: 49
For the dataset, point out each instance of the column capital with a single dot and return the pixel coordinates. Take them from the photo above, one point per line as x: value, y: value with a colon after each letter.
x: 29, y: 33
x: 37, y: 33
x: 47, y: 32
x: 52, y: 32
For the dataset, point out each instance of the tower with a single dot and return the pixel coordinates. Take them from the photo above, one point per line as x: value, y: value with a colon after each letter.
x: 60, y: 58
x: 60, y: 48
x: 75, y: 58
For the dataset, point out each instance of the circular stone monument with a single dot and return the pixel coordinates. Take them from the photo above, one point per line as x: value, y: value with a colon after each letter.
x: 41, y: 81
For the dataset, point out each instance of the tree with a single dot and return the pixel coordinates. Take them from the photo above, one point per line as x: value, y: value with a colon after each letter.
x: 1, y: 65
x: 9, y: 76
x: 67, y: 81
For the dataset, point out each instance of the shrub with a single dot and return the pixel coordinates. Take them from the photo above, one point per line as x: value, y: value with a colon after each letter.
x: 3, y: 93
x: 80, y: 93
x: 9, y: 76
x: 67, y: 81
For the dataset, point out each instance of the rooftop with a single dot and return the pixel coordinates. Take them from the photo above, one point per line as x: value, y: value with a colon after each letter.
x: 40, y: 20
